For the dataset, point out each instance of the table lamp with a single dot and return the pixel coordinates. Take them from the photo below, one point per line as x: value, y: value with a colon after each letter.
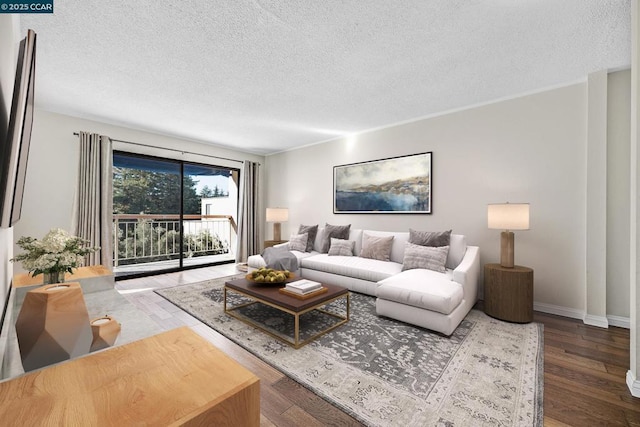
x: 276, y: 216
x: 508, y: 217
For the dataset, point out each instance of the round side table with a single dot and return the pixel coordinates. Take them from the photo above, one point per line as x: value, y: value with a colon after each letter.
x: 508, y: 293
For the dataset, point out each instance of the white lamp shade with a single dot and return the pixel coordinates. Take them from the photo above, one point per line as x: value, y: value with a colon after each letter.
x: 277, y: 214
x: 508, y: 216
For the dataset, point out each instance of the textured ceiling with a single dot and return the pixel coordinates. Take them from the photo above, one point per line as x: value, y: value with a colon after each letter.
x: 265, y: 76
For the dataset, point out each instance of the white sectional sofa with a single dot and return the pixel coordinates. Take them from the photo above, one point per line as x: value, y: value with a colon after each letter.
x: 430, y: 299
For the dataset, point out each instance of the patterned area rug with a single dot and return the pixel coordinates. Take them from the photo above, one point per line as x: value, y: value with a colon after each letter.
x: 389, y: 373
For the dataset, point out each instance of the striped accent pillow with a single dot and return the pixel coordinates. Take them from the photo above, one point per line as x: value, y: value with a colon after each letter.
x: 298, y: 242
x: 429, y: 257
x: 341, y: 247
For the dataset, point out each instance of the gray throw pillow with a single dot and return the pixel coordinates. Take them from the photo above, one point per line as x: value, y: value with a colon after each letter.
x: 429, y: 238
x: 337, y: 231
x: 341, y: 247
x: 311, y: 230
x: 298, y: 242
x: 375, y: 247
x: 429, y: 257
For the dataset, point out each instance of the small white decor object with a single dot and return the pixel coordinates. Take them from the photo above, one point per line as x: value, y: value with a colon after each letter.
x: 303, y: 286
x: 105, y: 331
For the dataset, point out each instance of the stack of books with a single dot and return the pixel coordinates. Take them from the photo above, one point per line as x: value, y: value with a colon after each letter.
x: 303, y: 286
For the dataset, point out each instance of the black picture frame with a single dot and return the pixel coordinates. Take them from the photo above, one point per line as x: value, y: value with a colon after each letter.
x: 395, y: 185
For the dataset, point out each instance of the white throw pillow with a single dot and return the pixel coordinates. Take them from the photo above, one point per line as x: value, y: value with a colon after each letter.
x: 340, y: 247
x: 298, y: 242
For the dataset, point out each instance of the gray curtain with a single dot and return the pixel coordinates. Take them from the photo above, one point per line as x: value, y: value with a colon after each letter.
x: 248, y: 215
x: 94, y: 197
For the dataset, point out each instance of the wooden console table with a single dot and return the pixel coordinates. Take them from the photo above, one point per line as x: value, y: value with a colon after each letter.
x: 174, y: 378
x: 89, y: 272
x: 92, y: 278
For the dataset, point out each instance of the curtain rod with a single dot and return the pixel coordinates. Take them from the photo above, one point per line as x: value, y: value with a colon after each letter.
x: 172, y: 149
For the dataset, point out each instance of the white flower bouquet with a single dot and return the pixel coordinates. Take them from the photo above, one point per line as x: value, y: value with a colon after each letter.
x: 58, y: 251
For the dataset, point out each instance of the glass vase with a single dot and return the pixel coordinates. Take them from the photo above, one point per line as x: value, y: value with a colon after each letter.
x: 53, y: 277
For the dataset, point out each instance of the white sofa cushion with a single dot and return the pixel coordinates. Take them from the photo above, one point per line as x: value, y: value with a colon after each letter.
x: 350, y: 266
x: 356, y: 236
x: 317, y: 244
x: 423, y: 289
x: 457, y: 249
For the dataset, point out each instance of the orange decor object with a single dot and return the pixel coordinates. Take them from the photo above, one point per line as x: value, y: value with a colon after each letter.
x: 53, y: 325
x: 105, y: 332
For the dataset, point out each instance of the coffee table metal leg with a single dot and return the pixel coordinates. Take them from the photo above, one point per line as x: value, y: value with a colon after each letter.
x: 296, y: 331
x: 225, y: 300
x: 348, y: 301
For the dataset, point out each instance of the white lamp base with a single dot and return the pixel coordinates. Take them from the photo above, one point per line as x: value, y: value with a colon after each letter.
x: 506, y: 249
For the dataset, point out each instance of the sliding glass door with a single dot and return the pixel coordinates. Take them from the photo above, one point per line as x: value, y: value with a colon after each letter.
x: 210, y: 203
x: 170, y: 215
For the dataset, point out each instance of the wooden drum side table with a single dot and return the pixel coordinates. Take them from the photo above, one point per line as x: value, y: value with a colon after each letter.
x: 508, y: 293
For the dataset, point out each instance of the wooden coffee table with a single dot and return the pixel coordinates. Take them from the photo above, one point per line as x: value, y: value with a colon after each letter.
x: 270, y: 295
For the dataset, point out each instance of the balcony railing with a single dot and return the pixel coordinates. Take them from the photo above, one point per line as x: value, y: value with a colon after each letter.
x: 149, y: 238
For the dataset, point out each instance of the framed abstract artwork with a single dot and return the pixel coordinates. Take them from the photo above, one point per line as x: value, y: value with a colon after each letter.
x: 395, y: 185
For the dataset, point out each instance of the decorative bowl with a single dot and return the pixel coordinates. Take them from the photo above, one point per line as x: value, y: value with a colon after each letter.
x: 287, y: 279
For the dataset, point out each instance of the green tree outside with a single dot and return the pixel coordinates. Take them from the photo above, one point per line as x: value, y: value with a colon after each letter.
x: 138, y: 191
x: 207, y: 192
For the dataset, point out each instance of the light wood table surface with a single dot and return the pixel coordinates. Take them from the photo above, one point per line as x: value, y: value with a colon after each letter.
x: 174, y: 378
x: 25, y: 279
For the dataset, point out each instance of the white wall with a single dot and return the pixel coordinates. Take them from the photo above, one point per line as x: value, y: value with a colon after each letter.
x: 618, y: 191
x: 529, y: 149
x: 53, y: 165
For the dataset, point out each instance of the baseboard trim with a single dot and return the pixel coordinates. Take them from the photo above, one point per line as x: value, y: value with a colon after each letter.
x: 633, y: 384
x: 558, y: 310
x: 599, y: 321
x: 619, y: 321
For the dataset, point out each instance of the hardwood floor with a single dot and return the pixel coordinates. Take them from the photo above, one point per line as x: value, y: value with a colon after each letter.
x: 584, y: 374
x: 584, y: 366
